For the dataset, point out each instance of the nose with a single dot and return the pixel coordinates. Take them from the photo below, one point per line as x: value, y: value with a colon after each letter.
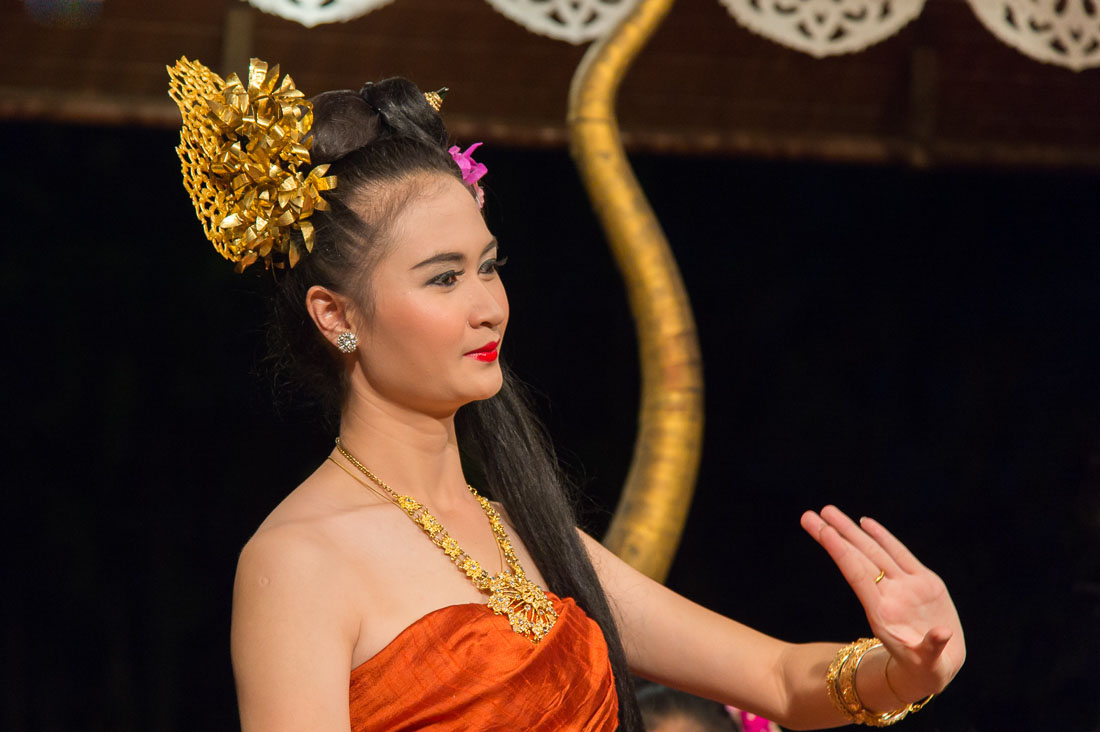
x: 489, y: 306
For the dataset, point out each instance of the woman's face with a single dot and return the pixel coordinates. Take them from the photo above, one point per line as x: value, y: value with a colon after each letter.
x: 439, y: 311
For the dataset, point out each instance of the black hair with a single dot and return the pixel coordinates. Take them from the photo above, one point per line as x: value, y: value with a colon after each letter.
x: 383, y: 144
x: 661, y: 704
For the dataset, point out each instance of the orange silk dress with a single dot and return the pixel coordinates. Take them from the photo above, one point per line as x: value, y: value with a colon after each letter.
x: 463, y: 668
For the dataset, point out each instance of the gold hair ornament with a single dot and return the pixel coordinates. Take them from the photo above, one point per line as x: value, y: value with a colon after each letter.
x: 244, y: 151
x: 840, y: 685
x: 435, y: 98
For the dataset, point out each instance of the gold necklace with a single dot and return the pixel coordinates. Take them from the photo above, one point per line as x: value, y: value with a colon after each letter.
x: 529, y: 610
x: 385, y: 497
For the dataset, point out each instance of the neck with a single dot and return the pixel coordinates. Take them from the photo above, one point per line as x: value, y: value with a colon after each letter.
x: 414, y: 453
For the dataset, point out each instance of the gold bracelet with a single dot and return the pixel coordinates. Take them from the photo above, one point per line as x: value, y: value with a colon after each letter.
x: 886, y: 675
x: 840, y: 685
x: 846, y: 679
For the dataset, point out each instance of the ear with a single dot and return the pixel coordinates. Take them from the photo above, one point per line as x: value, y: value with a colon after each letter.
x: 329, y: 311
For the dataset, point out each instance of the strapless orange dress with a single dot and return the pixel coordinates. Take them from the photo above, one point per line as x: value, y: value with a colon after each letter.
x: 463, y: 668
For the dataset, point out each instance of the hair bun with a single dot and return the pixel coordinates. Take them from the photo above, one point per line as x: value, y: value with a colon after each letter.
x: 342, y: 123
x: 404, y: 111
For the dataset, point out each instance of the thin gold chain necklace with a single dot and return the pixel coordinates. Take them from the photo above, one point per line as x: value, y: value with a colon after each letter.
x: 373, y: 489
x: 529, y: 610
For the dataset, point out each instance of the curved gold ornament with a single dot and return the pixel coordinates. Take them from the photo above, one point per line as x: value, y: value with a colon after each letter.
x: 244, y: 152
x: 649, y: 519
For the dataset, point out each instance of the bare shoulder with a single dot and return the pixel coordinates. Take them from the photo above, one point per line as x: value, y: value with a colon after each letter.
x: 286, y: 559
x: 307, y: 542
x: 293, y: 628
x: 299, y: 563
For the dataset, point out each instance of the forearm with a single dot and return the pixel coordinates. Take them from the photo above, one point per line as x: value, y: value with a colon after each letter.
x: 720, y: 659
x: 672, y: 640
x: 805, y: 703
x: 804, y: 667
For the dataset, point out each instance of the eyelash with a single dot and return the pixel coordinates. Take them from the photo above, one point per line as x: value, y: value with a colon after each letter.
x: 494, y: 264
x: 490, y: 266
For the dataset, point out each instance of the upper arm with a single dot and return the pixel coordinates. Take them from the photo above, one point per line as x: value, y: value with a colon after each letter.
x: 291, y: 636
x: 668, y: 638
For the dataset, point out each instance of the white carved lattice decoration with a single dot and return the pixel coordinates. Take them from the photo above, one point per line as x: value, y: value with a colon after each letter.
x: 1063, y: 32
x: 314, y: 12
x: 575, y: 21
x: 825, y: 27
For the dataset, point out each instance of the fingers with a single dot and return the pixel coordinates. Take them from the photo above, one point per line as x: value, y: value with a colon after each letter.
x: 861, y: 540
x: 934, y: 641
x: 897, y: 551
x: 812, y: 523
x: 857, y: 569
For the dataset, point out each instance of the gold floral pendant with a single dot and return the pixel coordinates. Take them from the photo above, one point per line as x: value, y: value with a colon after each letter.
x: 529, y: 610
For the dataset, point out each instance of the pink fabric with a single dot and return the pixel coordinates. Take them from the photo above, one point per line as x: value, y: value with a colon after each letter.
x: 751, y: 722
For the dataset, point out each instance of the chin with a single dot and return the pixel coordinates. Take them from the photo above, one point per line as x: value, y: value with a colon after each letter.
x: 491, y: 385
x: 493, y: 389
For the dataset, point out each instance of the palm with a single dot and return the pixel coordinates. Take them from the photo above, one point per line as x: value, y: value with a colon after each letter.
x: 909, y: 609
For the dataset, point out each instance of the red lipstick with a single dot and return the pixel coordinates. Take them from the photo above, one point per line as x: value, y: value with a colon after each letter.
x: 486, y: 353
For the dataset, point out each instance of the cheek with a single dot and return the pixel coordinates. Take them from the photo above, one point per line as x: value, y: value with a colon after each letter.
x: 502, y: 298
x: 422, y: 327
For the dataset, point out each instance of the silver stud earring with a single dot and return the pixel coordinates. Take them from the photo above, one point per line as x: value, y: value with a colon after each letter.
x: 347, y: 342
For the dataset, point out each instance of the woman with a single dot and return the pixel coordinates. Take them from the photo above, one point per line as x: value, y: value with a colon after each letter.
x: 396, y: 319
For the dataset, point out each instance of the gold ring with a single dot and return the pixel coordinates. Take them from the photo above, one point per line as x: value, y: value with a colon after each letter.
x: 881, y: 576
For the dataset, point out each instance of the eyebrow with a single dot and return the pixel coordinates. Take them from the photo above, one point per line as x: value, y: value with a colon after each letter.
x: 453, y: 256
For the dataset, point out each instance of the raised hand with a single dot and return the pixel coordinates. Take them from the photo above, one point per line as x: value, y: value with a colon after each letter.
x: 907, y: 604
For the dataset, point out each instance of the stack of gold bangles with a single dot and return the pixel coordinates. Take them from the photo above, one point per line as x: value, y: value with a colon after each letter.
x: 840, y: 683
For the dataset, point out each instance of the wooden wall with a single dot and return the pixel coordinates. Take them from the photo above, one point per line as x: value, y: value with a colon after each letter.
x: 943, y: 91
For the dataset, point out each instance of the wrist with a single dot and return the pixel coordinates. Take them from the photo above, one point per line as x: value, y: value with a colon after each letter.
x: 857, y: 684
x: 873, y: 682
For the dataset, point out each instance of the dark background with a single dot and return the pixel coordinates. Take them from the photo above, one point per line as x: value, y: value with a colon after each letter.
x: 919, y: 346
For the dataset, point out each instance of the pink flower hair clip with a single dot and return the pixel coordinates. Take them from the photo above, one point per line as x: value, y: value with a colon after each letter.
x: 472, y: 171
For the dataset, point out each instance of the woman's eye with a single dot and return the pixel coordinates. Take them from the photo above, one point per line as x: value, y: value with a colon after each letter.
x: 446, y: 279
x: 493, y: 265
